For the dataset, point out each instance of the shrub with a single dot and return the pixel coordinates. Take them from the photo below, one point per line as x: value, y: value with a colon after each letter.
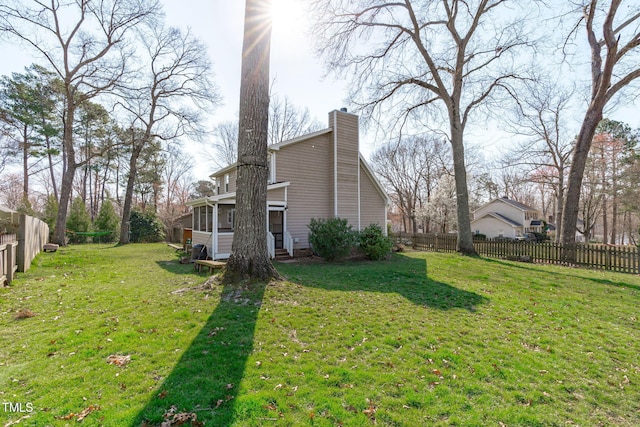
x: 50, y: 214
x: 78, y: 221
x: 331, y: 238
x: 107, y: 220
x: 145, y: 227
x: 373, y: 243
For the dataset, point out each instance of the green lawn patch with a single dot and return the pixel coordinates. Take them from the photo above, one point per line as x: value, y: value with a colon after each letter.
x: 119, y: 336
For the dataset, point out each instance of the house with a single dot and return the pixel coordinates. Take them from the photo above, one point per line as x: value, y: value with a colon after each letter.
x: 506, y: 218
x: 319, y: 175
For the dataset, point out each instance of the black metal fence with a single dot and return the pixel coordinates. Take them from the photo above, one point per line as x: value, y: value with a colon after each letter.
x: 624, y: 259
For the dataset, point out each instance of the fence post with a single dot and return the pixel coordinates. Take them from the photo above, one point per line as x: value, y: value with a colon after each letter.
x: 11, y: 261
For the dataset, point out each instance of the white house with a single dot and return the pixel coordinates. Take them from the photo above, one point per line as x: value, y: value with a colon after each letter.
x: 506, y: 218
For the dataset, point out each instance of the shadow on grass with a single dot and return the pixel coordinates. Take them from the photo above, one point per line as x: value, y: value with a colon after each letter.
x: 206, y: 379
x: 534, y: 269
x: 401, y: 274
x: 174, y: 266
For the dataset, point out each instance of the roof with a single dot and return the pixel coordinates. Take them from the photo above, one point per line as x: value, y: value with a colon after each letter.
x: 499, y: 217
x: 276, y: 147
x: 515, y: 204
x: 230, y: 197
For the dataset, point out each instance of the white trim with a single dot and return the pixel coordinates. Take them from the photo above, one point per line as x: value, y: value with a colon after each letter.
x: 276, y: 147
x: 335, y: 163
x: 214, y: 232
x: 385, y: 230
x: 359, y: 222
x: 229, y: 198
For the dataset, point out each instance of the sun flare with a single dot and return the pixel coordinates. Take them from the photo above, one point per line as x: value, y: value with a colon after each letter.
x: 287, y: 14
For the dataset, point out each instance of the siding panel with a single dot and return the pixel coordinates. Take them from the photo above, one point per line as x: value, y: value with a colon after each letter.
x: 372, y: 205
x: 310, y: 195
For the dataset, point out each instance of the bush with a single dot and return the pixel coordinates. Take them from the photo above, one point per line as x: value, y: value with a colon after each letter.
x: 331, y: 238
x: 78, y: 221
x: 107, y: 220
x: 373, y: 243
x: 50, y: 214
x: 145, y: 227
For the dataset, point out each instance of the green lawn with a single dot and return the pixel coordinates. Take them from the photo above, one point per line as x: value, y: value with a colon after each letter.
x: 420, y: 339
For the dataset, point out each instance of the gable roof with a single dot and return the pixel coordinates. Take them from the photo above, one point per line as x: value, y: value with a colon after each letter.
x: 499, y: 217
x: 276, y: 147
x: 517, y: 205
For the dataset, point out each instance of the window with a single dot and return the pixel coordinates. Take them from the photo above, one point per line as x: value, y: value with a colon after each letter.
x: 226, y: 183
x: 217, y: 186
x: 209, y: 218
x: 196, y: 218
x: 271, y: 170
x: 203, y: 218
x: 226, y: 218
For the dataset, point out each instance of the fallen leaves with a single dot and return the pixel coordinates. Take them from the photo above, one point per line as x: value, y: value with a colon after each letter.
x: 81, y: 415
x: 23, y: 313
x: 118, y: 360
x: 174, y: 418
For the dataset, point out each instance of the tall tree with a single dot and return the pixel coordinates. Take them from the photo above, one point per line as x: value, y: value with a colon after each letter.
x: 545, y: 152
x: 422, y: 55
x: 614, y: 40
x: 166, y: 99
x: 249, y: 258
x: 612, y: 147
x: 85, y: 44
x: 27, y: 103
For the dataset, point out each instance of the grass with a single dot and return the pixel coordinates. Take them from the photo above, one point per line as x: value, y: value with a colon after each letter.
x: 420, y: 339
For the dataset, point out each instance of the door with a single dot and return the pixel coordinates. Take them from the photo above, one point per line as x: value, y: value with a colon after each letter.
x: 276, y: 227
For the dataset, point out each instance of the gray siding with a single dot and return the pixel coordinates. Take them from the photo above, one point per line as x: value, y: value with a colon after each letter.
x: 372, y: 203
x: 310, y: 195
x: 346, y: 130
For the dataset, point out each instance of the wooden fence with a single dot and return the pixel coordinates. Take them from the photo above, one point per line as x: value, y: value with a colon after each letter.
x: 33, y: 234
x: 624, y: 259
x: 8, y: 258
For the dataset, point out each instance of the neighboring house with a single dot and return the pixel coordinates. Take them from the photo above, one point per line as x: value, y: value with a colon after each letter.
x: 319, y: 175
x: 506, y: 218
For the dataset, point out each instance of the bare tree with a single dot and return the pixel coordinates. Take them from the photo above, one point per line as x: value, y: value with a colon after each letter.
x: 249, y: 255
x: 286, y: 121
x: 84, y: 43
x: 541, y: 106
x: 453, y: 54
x: 166, y: 99
x: 225, y: 147
x: 614, y: 40
x: 410, y: 169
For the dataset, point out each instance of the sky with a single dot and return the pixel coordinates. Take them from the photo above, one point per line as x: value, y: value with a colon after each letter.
x: 297, y: 74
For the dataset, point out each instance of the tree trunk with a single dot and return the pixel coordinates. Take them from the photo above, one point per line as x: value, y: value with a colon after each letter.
x: 465, y: 237
x: 25, y: 163
x: 68, y: 173
x: 128, y: 198
x: 249, y: 258
x: 51, y: 169
x: 576, y: 175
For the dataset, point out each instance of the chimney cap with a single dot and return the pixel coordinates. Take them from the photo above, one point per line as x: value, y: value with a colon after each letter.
x: 343, y: 109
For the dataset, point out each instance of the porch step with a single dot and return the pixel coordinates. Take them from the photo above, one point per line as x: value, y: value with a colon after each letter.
x: 282, y: 254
